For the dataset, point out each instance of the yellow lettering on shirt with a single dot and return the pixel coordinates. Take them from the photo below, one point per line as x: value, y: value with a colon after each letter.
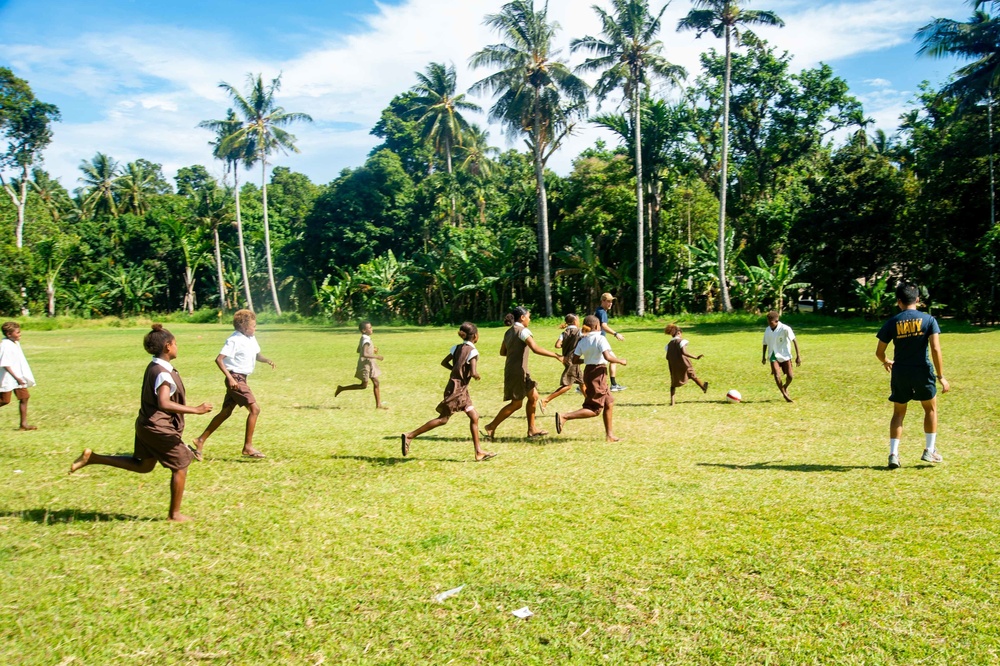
x: 909, y: 328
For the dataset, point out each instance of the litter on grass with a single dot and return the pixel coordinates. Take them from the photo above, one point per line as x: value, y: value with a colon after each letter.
x: 447, y: 593
x: 522, y: 613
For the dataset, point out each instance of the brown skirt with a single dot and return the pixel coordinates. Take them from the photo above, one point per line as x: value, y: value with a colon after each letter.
x: 680, y: 373
x: 517, y: 386
x: 367, y: 369
x: 573, y: 374
x: 241, y: 396
x: 595, y: 382
x: 456, y: 399
x: 166, y: 447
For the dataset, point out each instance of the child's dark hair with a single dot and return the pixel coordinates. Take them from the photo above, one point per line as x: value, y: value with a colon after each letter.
x: 242, y: 319
x: 157, y: 340
x: 362, y: 324
x: 907, y: 293
x: 591, y: 323
x: 9, y: 327
x: 773, y: 315
x: 673, y: 330
x: 468, y: 331
x: 568, y: 320
x: 514, y: 315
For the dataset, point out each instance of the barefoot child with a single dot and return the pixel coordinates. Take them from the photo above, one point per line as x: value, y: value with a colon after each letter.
x: 237, y: 361
x: 15, y: 375
x: 595, y: 352
x: 778, y: 341
x: 368, y: 369
x: 461, y: 360
x: 517, y: 382
x: 679, y: 362
x: 160, y: 424
x: 572, y: 373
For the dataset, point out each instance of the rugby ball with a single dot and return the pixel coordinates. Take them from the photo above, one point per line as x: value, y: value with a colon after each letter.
x: 733, y: 396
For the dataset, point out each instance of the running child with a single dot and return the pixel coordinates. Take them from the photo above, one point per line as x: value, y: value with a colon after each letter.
x: 679, y: 362
x: 572, y: 373
x: 595, y: 352
x: 778, y: 341
x: 160, y: 424
x: 237, y: 361
x: 368, y: 370
x: 461, y: 360
x: 913, y: 334
x: 517, y: 381
x: 15, y: 375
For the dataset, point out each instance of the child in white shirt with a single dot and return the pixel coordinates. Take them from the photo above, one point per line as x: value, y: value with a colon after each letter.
x: 15, y: 375
x: 595, y: 353
x: 778, y: 341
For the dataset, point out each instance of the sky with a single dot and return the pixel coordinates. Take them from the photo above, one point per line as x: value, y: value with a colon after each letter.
x: 134, y: 78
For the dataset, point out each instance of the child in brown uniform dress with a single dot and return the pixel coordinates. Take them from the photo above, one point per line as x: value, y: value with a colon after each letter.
x: 517, y: 382
x: 572, y: 373
x: 160, y: 424
x: 461, y: 360
x: 368, y: 369
x: 679, y: 362
x: 594, y: 351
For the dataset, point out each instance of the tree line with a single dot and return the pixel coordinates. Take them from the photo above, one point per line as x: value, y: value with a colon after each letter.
x: 741, y: 185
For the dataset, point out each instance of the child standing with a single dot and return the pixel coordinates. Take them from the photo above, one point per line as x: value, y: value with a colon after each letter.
x: 595, y: 352
x: 368, y: 369
x: 461, y: 360
x: 778, y: 341
x: 237, y: 361
x: 679, y: 362
x: 913, y: 377
x: 572, y: 373
x: 15, y: 375
x: 160, y: 423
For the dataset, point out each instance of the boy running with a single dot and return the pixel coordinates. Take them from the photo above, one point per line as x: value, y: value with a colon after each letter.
x: 778, y: 341
x: 594, y: 351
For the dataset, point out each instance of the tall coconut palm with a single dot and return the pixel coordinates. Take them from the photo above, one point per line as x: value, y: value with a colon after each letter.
x: 262, y: 133
x: 536, y: 94
x: 211, y: 213
x: 51, y: 194
x: 476, y: 155
x: 99, y: 175
x: 233, y: 154
x: 438, y: 110
x: 725, y: 19
x: 628, y: 55
x: 134, y: 186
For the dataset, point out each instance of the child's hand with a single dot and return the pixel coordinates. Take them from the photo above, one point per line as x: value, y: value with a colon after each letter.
x: 798, y: 360
x: 622, y: 361
x: 231, y: 383
x: 271, y: 363
x: 476, y: 376
x: 699, y: 357
x: 379, y: 358
x: 203, y: 408
x: 887, y: 364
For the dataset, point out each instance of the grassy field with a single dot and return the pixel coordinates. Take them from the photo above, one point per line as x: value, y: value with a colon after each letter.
x: 712, y: 533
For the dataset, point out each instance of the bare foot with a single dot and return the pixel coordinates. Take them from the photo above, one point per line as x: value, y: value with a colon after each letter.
x: 252, y: 453
x: 788, y: 398
x: 179, y: 518
x: 28, y: 427
x: 82, y: 461
x: 612, y: 438
x: 485, y: 455
x: 381, y: 407
x: 199, y: 448
x: 337, y: 392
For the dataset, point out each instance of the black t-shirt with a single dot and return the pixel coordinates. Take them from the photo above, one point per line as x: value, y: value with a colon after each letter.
x: 602, y: 315
x: 909, y: 332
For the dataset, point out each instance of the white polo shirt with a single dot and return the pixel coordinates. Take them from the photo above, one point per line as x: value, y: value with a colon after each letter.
x: 12, y: 357
x: 591, y: 348
x: 779, y: 342
x: 241, y: 353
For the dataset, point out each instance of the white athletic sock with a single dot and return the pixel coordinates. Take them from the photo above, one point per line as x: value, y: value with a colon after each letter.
x: 931, y: 438
x: 893, y: 447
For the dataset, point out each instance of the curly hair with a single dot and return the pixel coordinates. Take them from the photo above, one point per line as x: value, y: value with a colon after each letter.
x: 242, y: 319
x: 157, y: 340
x: 9, y: 327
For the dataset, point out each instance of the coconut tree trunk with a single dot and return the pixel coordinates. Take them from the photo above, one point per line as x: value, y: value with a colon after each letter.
x: 724, y: 178
x: 640, y: 243
x: 218, y: 268
x: 239, y: 235
x: 543, y: 210
x: 50, y: 292
x: 189, y: 289
x: 993, y: 205
x: 654, y: 208
x: 267, y: 238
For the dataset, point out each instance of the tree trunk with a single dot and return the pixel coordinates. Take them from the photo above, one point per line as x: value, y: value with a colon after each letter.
x: 50, y: 292
x: 447, y: 161
x: 239, y: 234
x: 654, y: 206
x: 640, y: 301
x: 267, y: 239
x: 218, y: 268
x: 189, y: 289
x: 993, y: 203
x: 543, y: 211
x: 724, y: 178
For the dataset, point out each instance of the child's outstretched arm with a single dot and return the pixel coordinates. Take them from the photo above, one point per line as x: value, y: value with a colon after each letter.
x: 261, y: 358
x: 610, y: 357
x: 541, y: 351
x: 166, y: 404
x: 220, y: 361
x: 698, y: 357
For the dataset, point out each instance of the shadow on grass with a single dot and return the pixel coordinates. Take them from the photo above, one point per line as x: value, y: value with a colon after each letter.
x: 390, y: 460
x: 641, y: 404
x: 432, y: 438
x: 50, y: 517
x: 802, y: 467
x: 316, y: 407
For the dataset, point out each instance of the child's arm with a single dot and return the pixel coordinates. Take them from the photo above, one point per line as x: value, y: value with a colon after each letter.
x: 20, y: 380
x: 577, y: 359
x: 165, y: 404
x: 533, y: 346
x: 798, y: 357
x: 373, y: 354
x: 503, y: 347
x: 610, y: 357
x: 262, y: 359
x: 698, y: 357
x: 880, y: 355
x: 763, y: 355
x: 474, y: 368
x: 938, y: 361
x: 447, y: 362
x: 219, y: 361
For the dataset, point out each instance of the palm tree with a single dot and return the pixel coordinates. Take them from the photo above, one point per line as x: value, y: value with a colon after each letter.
x: 724, y: 18
x: 211, y: 213
x: 262, y: 133
x: 99, y: 175
x: 628, y: 56
x: 192, y: 246
x: 438, y: 110
x: 477, y: 155
x: 134, y: 187
x: 50, y: 193
x: 536, y: 94
x: 233, y: 154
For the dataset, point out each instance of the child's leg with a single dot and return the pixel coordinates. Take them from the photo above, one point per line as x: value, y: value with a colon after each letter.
x: 609, y: 431
x: 353, y: 387
x: 578, y: 414
x: 702, y: 385
x: 543, y: 403
x: 474, y: 429
x: 24, y: 415
x: 177, y: 480
x: 673, y: 392
x: 430, y: 425
x: 776, y: 373
x: 530, y: 410
x: 127, y: 463
x: 217, y: 420
x: 378, y: 396
x: 502, y: 416
x: 248, y: 450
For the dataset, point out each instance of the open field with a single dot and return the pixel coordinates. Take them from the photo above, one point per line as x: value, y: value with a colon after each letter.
x: 713, y: 533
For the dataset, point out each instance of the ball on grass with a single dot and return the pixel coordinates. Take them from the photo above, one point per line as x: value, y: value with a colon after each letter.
x: 733, y: 396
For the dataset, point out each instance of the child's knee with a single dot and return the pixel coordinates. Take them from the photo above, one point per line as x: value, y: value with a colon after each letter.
x: 364, y: 383
x: 254, y: 408
x: 147, y: 465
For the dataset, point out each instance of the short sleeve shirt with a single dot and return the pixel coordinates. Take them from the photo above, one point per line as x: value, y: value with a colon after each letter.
x: 241, y: 353
x: 591, y: 349
x: 779, y: 342
x: 909, y: 332
x: 472, y: 354
x: 683, y: 343
x: 164, y: 377
x: 602, y: 315
x: 12, y: 357
x: 523, y: 333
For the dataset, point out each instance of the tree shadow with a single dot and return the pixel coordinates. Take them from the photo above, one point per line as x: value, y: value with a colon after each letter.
x: 802, y: 467
x: 389, y: 461
x: 59, y: 516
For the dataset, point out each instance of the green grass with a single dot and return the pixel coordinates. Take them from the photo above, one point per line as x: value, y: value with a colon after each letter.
x: 713, y: 533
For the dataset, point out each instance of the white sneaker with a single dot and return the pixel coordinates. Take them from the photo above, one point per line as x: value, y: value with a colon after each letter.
x: 618, y: 387
x: 931, y: 457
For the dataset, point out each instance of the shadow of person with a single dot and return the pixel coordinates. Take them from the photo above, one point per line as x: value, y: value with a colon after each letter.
x: 800, y: 467
x: 54, y: 516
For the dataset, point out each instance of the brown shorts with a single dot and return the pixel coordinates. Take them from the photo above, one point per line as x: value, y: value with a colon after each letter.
x: 595, y: 382
x: 785, y: 366
x: 241, y: 396
x: 19, y: 393
x: 167, y: 448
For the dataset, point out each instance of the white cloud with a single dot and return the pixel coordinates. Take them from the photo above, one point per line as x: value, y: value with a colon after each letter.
x: 149, y: 86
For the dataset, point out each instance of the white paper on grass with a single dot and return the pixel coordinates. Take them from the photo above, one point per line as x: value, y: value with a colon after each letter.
x: 447, y: 593
x: 522, y: 613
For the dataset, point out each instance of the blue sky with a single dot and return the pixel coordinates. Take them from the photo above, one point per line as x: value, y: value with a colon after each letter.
x: 133, y: 78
